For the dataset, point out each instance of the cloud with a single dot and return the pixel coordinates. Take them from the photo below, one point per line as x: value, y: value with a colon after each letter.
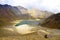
x: 50, y: 5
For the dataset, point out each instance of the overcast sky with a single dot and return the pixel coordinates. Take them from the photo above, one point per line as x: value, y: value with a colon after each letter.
x: 50, y: 5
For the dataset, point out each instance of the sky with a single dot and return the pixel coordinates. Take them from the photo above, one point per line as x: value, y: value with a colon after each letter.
x: 49, y: 5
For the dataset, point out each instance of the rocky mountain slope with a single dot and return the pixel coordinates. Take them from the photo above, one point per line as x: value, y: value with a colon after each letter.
x: 52, y: 22
x: 9, y: 13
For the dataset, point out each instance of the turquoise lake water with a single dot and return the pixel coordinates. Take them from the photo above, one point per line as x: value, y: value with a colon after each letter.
x: 29, y: 22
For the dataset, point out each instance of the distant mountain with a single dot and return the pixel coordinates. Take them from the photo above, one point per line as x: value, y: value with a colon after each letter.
x: 35, y: 13
x: 22, y: 9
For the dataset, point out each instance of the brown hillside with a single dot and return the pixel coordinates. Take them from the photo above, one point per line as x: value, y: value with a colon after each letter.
x: 8, y: 14
x: 53, y: 21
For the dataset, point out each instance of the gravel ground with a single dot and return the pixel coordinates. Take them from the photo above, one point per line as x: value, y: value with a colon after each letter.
x: 12, y: 35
